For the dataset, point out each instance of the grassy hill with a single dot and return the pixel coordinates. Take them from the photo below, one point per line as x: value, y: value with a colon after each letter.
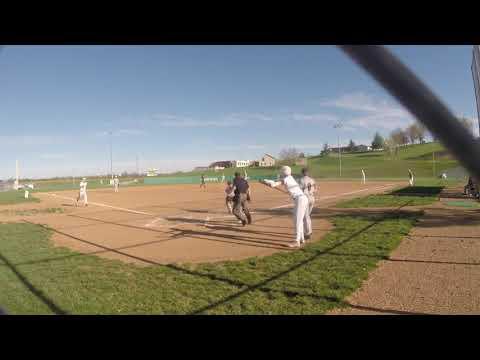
x: 382, y: 165
x: 377, y: 165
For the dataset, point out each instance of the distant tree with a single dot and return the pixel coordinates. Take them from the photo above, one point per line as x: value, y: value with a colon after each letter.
x: 422, y: 132
x: 388, y: 146
x: 289, y: 155
x: 324, y: 151
x: 413, y: 133
x: 378, y: 141
x: 351, y: 146
x: 399, y: 137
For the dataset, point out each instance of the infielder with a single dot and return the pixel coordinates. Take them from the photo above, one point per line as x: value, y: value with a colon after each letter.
x: 301, y: 216
x: 410, y: 177
x: 309, y: 187
x: 82, y: 194
x: 230, y: 194
x: 116, y: 183
x: 202, y: 182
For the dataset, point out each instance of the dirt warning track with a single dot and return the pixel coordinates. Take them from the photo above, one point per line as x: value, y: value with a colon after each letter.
x: 183, y: 223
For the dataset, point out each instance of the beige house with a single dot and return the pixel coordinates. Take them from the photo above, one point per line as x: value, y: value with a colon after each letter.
x: 266, y: 161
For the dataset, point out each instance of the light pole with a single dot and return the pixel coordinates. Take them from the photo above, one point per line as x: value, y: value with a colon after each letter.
x: 111, y: 157
x: 138, y: 173
x: 339, y: 125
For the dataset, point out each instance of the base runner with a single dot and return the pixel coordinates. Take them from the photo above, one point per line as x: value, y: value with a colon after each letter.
x: 82, y: 194
x: 116, y: 183
x: 230, y: 194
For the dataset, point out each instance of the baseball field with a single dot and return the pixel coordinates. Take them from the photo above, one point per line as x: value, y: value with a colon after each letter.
x: 174, y: 249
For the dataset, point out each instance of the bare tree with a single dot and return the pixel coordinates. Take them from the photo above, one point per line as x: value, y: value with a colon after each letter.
x: 399, y: 137
x: 413, y: 133
x: 388, y: 146
x: 289, y: 154
x: 422, y: 132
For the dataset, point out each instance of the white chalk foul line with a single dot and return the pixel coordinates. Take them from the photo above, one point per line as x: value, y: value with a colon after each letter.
x: 104, y: 205
x: 336, y: 196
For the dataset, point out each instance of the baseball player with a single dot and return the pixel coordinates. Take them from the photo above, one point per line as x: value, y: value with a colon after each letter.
x: 300, y: 212
x: 309, y: 187
x: 116, y: 183
x: 410, y: 177
x: 223, y: 178
x: 202, y: 182
x: 230, y: 194
x: 82, y: 194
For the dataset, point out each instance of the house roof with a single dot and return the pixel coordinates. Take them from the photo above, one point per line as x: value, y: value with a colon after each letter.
x: 273, y: 157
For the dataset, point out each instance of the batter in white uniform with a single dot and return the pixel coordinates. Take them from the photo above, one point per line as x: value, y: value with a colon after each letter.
x: 301, y: 216
x: 82, y: 195
x: 115, y: 183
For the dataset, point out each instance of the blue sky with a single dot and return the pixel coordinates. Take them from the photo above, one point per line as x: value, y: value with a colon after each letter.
x: 176, y: 107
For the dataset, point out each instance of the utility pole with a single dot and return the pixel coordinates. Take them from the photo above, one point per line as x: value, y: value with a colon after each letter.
x: 433, y: 154
x: 111, y: 156
x: 138, y: 173
x: 339, y: 125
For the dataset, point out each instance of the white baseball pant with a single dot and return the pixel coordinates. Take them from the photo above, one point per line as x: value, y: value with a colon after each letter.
x: 303, y: 223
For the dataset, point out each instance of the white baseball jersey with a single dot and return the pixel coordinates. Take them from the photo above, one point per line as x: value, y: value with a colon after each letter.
x: 292, y: 187
x: 115, y: 181
x: 83, y: 186
x: 307, y: 184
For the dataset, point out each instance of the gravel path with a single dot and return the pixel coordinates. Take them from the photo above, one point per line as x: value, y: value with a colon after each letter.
x: 435, y: 270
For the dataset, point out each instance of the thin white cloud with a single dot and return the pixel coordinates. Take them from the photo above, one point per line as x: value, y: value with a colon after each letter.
x: 315, y: 118
x: 239, y: 147
x: 168, y: 120
x: 373, y: 113
x: 256, y: 147
x: 243, y: 117
x: 53, y: 156
x: 122, y: 132
x: 307, y: 146
x: 33, y: 140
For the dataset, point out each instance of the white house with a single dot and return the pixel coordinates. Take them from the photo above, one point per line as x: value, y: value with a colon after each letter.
x: 152, y: 172
x: 241, y: 163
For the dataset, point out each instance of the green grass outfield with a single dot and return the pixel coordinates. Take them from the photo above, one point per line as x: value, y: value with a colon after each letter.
x: 16, y: 197
x: 407, y: 196
x: 38, y: 278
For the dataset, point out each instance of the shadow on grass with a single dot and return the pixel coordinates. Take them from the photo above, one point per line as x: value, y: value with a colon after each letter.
x: 418, y: 191
x: 262, y: 285
x: 39, y: 294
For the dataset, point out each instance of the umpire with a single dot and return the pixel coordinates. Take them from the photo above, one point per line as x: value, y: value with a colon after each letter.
x: 241, y: 199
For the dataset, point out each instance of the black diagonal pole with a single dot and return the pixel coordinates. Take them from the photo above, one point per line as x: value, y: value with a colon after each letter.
x: 412, y: 93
